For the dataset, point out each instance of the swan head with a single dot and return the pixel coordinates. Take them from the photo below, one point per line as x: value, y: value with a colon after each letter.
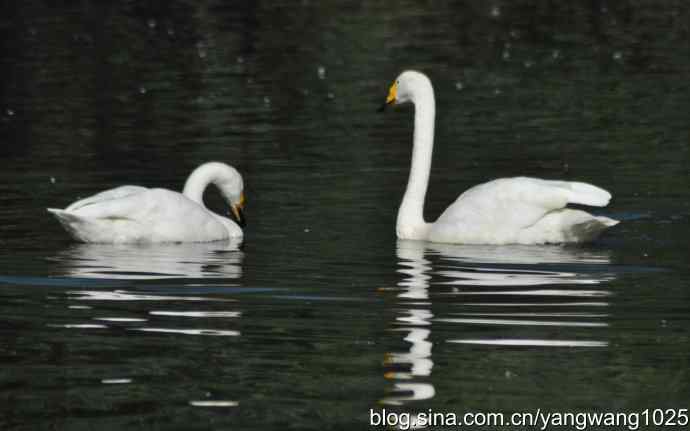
x: 409, y: 86
x: 226, y: 178
x: 231, y: 187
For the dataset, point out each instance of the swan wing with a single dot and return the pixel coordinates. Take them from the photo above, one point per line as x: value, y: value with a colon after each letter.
x: 108, y: 195
x: 518, y: 203
x: 121, y: 203
x: 151, y: 215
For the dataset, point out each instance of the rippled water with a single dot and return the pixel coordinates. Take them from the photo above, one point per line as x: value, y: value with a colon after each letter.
x: 321, y: 315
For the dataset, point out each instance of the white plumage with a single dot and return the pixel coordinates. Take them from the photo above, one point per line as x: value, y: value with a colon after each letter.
x: 134, y: 214
x: 504, y: 211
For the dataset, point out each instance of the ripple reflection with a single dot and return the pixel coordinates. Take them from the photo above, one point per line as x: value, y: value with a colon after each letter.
x: 416, y: 316
x: 220, y: 259
x: 175, y: 306
x: 524, y: 288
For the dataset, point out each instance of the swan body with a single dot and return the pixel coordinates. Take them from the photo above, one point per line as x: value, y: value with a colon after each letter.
x: 503, y: 211
x: 134, y: 214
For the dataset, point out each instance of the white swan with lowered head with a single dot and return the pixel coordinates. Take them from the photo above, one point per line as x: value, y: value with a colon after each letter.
x: 503, y: 211
x: 134, y: 214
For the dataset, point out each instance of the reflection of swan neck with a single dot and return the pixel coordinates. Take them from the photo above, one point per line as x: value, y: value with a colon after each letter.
x: 416, y: 268
x: 410, y: 223
x: 209, y: 173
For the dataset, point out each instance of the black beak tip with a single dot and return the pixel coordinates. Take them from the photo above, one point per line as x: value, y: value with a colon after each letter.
x: 241, y: 220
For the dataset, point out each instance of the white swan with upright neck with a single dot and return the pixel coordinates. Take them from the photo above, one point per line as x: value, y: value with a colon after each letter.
x: 134, y: 214
x: 503, y: 211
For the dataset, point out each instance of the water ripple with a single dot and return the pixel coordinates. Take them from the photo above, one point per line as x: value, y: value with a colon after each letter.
x: 441, y: 273
x: 124, y: 295
x: 196, y: 313
x: 214, y: 332
x: 521, y: 322
x: 214, y: 403
x: 536, y: 343
x: 220, y: 259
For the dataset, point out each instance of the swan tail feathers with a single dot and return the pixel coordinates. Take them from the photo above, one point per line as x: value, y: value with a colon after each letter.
x: 590, y: 229
x: 62, y: 214
x: 566, y: 226
x: 70, y: 222
x: 69, y: 218
x: 608, y: 222
x: 587, y: 194
x: 80, y: 228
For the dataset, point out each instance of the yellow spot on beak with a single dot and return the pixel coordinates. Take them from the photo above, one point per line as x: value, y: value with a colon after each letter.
x: 392, y: 94
x: 242, y: 200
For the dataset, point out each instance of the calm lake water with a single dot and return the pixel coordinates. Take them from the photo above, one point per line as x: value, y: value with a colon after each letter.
x: 321, y: 314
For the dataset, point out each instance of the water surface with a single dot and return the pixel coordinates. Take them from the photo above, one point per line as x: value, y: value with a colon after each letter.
x: 321, y: 314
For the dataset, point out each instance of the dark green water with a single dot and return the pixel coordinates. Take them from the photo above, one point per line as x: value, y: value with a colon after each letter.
x: 322, y: 315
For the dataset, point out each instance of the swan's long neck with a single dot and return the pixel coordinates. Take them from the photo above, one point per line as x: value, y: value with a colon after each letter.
x: 410, y: 223
x: 202, y: 176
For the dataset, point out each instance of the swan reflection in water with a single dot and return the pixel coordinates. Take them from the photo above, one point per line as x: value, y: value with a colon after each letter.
x: 500, y: 285
x: 218, y: 259
x: 170, y: 308
x: 414, y: 319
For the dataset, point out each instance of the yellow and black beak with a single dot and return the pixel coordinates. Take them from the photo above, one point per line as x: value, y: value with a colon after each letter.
x: 237, y: 213
x: 392, y: 95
